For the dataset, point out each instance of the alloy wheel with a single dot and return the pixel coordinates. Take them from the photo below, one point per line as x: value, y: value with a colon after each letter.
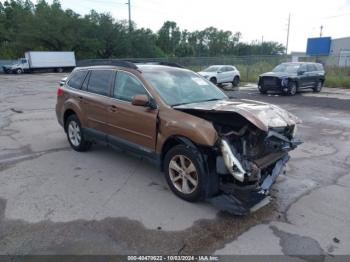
x: 183, y: 174
x: 74, y: 133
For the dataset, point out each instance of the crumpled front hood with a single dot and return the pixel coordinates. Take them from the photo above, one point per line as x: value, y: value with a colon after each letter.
x: 262, y: 115
x: 278, y: 74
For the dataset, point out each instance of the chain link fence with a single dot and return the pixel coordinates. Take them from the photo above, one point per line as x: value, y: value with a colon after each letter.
x: 250, y: 67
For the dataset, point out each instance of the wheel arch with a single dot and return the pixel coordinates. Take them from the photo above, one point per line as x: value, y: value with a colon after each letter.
x: 172, y: 142
x: 69, y: 112
x: 206, y: 157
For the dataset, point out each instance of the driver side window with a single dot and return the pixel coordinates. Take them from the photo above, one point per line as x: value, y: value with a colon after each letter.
x: 127, y: 86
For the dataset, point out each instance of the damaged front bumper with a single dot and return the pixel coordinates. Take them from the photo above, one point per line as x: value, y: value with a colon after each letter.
x: 244, y: 201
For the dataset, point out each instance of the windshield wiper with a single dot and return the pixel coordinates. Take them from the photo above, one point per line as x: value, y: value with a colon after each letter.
x: 213, y: 99
x: 180, y: 104
x: 196, y: 102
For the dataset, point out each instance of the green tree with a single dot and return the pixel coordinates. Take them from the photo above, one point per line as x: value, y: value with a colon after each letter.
x: 169, y: 37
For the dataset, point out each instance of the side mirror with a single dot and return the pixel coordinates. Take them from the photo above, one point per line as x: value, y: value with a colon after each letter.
x: 219, y: 72
x: 140, y: 100
x: 301, y: 72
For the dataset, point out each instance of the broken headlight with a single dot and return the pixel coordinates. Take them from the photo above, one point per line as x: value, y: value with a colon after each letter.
x: 295, y: 129
x: 284, y: 82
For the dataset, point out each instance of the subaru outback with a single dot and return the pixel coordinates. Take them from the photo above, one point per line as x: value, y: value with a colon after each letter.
x: 210, y: 147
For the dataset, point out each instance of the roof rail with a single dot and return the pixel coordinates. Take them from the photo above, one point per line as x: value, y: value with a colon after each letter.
x: 154, y: 62
x: 107, y: 62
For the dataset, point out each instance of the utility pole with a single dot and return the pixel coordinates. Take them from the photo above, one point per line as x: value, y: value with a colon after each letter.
x: 129, y: 7
x: 321, y: 30
x: 288, y: 29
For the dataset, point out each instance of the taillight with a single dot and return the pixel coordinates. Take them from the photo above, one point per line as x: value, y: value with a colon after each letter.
x: 59, y: 91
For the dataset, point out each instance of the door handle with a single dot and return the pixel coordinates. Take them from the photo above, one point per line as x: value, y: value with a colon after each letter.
x: 112, y: 108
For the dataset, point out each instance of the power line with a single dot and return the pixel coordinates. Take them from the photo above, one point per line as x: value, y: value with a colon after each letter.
x: 336, y: 16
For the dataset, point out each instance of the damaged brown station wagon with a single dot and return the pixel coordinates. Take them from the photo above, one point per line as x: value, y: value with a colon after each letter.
x: 210, y: 147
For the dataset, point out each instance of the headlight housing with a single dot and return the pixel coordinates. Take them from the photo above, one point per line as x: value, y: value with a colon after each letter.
x: 295, y: 130
x: 285, y: 82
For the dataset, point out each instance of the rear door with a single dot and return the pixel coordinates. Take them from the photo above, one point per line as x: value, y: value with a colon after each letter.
x: 133, y: 126
x: 312, y: 75
x: 221, y: 75
x: 230, y: 73
x: 96, y: 98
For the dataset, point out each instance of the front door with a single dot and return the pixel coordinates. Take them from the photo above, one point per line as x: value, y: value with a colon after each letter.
x: 132, y: 125
x: 303, y: 76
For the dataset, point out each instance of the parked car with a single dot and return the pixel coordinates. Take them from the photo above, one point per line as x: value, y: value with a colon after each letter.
x: 220, y: 74
x: 42, y: 60
x: 229, y: 151
x: 289, y: 78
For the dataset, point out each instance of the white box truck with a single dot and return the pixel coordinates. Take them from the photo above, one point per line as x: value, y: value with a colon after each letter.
x: 42, y: 61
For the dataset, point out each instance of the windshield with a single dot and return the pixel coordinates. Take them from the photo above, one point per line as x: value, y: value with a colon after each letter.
x: 178, y: 87
x: 212, y: 69
x: 287, y: 68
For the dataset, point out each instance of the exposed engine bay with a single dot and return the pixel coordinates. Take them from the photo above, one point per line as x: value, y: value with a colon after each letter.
x: 249, y: 157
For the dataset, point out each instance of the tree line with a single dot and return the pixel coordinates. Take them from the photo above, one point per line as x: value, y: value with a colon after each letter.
x: 27, y: 26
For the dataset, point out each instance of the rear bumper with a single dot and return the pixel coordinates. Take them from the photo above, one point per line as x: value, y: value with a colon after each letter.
x: 244, y: 201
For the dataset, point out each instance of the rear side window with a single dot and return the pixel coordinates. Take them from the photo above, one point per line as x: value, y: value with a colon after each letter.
x: 127, y: 86
x: 100, y: 81
x: 77, y: 79
x: 311, y: 68
x: 319, y: 67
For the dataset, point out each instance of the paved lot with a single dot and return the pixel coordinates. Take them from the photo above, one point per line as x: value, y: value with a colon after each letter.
x: 57, y: 201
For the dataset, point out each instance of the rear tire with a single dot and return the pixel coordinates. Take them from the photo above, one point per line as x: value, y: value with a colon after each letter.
x: 236, y: 81
x: 318, y: 87
x: 75, y: 135
x: 185, y: 173
x: 59, y: 70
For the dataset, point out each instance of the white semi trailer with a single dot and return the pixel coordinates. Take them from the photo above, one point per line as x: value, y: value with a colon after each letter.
x: 43, y: 61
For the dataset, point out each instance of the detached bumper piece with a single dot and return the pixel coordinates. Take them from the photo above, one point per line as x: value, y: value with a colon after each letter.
x: 244, y: 201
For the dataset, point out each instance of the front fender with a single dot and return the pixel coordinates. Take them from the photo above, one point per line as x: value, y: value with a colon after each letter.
x: 178, y: 124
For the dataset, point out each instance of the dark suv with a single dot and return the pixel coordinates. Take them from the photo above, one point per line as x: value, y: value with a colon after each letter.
x: 289, y: 78
x: 209, y: 147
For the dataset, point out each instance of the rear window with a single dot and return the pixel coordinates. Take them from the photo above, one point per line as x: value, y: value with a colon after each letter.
x: 311, y: 68
x: 100, y: 81
x: 77, y: 79
x: 319, y: 67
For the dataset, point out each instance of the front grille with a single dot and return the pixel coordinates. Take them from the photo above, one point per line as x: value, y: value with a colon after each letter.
x: 285, y: 131
x: 269, y: 81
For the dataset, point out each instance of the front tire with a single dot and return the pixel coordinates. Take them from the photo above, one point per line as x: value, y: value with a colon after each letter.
x: 75, y: 135
x: 185, y: 173
x: 19, y: 71
x: 262, y: 90
x: 292, y: 89
x: 214, y: 80
x: 318, y: 87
